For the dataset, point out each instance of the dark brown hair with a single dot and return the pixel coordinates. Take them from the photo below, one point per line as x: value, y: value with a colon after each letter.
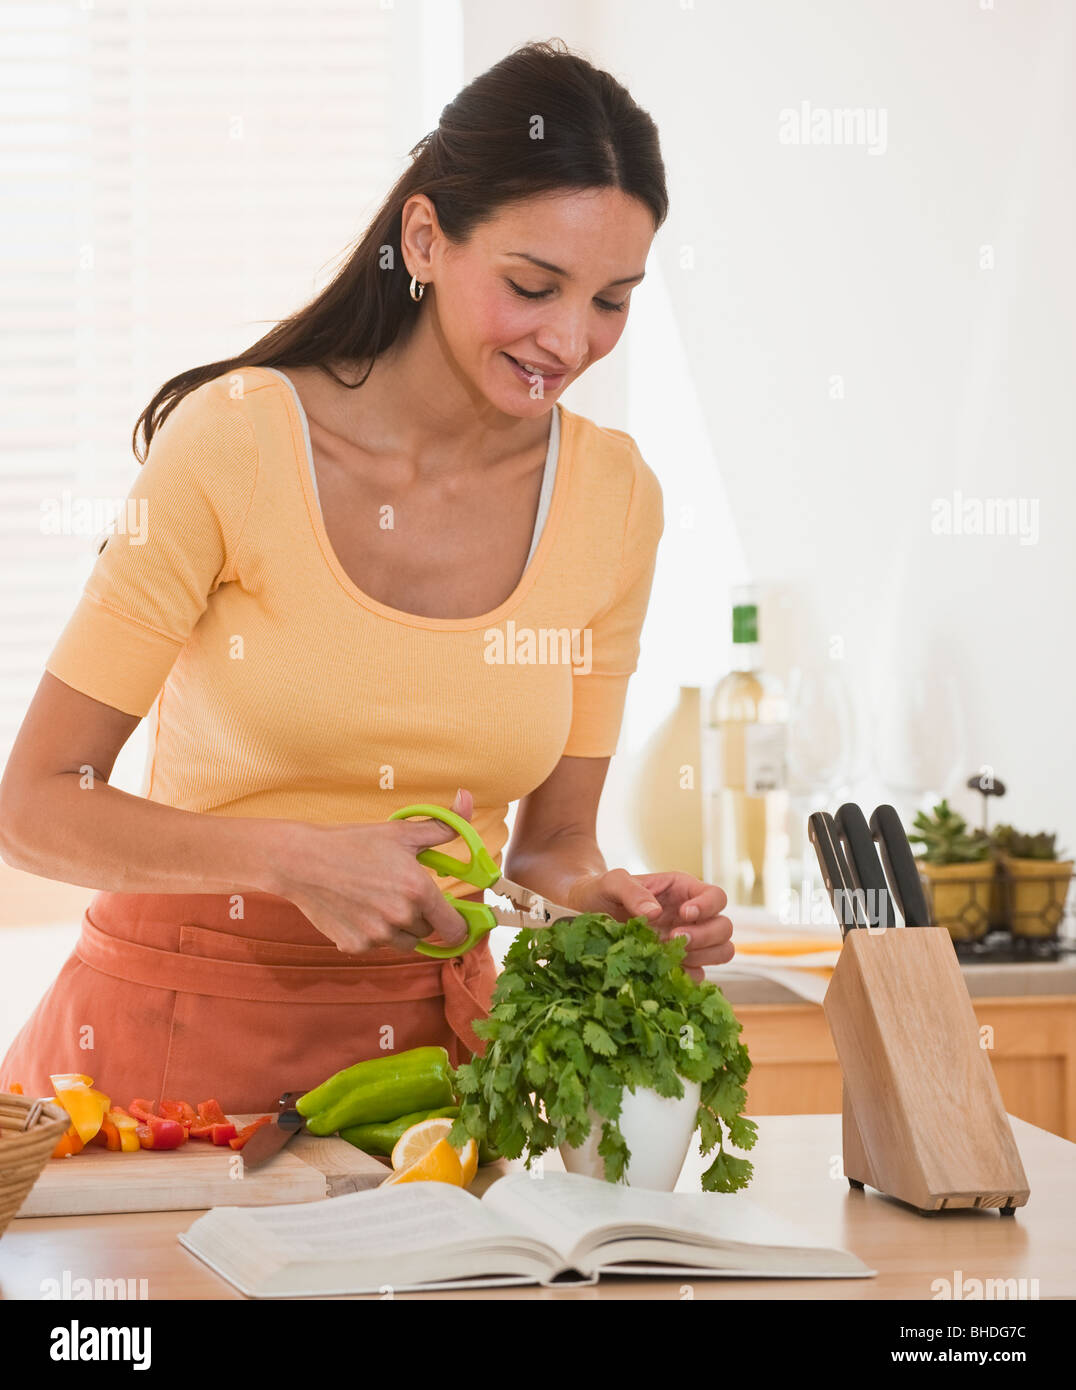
x: 482, y: 156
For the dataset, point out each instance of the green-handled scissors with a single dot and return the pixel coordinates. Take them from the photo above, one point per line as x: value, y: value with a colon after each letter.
x: 531, y: 909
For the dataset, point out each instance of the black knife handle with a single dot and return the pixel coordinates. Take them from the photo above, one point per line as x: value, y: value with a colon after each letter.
x: 836, y: 875
x: 865, y: 865
x: 900, y: 867
x: 289, y: 1117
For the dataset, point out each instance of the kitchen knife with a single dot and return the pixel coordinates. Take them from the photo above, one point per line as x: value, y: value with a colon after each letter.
x: 270, y: 1139
x: 900, y: 867
x: 865, y: 865
x: 836, y: 875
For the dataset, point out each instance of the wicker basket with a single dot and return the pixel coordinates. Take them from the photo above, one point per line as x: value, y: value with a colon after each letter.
x: 23, y: 1153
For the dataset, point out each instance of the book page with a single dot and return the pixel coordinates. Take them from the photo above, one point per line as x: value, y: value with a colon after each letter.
x: 572, y: 1212
x: 410, y: 1236
x: 387, y: 1222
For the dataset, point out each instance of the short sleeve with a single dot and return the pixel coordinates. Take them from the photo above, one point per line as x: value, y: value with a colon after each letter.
x: 599, y: 694
x: 169, y: 548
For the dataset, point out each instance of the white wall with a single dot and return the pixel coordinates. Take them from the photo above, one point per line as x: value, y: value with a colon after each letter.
x: 838, y: 358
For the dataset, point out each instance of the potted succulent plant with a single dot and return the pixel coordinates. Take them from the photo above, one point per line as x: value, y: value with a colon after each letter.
x: 600, y: 1043
x: 958, y: 871
x: 1035, y: 881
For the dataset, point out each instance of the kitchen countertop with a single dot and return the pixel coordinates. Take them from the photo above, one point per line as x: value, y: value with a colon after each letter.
x: 794, y: 1177
x: 985, y: 979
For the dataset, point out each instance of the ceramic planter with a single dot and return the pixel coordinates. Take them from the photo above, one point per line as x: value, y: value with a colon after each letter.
x: 959, y: 896
x: 657, y: 1130
x: 1034, y: 892
x: 997, y: 910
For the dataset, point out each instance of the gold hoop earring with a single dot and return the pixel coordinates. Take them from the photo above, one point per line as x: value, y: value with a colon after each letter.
x: 421, y: 288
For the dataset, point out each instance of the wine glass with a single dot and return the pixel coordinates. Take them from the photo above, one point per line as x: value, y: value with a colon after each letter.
x: 919, y: 739
x: 822, y: 744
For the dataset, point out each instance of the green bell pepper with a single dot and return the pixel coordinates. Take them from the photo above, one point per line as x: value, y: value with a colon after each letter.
x: 381, y: 1089
x: 382, y: 1138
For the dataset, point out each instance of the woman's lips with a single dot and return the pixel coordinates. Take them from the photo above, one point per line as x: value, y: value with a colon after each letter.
x: 549, y: 383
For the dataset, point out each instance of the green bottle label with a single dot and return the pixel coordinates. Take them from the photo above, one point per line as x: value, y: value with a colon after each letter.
x: 745, y: 623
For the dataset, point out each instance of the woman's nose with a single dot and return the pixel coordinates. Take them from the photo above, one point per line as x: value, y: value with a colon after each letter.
x: 565, y: 340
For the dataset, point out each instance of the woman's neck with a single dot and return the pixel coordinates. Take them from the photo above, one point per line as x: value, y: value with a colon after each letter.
x: 417, y: 404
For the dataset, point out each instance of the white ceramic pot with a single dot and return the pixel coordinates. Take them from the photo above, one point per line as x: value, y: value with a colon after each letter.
x: 657, y: 1130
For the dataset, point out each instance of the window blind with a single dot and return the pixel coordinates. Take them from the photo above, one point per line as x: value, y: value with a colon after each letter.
x: 176, y: 178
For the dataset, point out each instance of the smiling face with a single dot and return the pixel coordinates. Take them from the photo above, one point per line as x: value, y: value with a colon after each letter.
x: 536, y: 295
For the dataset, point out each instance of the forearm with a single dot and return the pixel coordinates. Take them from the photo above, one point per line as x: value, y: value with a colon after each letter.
x: 103, y: 838
x: 552, y: 867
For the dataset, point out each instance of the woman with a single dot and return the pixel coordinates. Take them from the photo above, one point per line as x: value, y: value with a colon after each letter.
x: 361, y: 533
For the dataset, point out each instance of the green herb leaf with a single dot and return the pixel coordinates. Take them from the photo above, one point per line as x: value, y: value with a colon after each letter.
x: 595, y: 1037
x: 727, y: 1174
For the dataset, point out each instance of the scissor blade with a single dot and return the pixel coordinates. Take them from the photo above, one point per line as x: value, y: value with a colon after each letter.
x: 533, y: 909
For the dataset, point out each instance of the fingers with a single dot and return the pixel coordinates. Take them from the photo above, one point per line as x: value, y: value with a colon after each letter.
x: 709, y: 944
x: 704, y: 936
x: 638, y: 900
x: 439, y: 915
x: 355, y: 940
x: 708, y: 902
x: 658, y: 883
x: 425, y: 833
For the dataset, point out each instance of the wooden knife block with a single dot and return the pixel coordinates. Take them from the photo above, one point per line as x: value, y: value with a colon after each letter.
x: 923, y: 1118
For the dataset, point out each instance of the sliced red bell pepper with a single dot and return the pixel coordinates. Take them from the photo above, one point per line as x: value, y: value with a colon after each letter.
x: 247, y: 1130
x: 210, y: 1111
x: 209, y: 1115
x: 179, y: 1111
x: 143, y: 1110
x: 224, y: 1134
x: 158, y: 1133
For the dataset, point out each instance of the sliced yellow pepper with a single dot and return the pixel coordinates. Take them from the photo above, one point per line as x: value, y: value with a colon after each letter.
x: 86, y: 1106
x: 68, y: 1143
x: 66, y: 1080
x: 127, y: 1126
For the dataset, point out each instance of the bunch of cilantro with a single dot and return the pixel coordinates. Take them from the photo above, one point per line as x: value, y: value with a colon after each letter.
x: 584, y: 1008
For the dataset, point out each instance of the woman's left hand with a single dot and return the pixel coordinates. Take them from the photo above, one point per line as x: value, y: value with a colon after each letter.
x: 674, y: 903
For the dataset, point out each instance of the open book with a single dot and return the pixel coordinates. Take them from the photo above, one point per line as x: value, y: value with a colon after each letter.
x: 554, y: 1229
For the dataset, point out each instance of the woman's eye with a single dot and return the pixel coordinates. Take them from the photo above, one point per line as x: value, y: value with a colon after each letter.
x: 541, y: 294
x: 528, y: 294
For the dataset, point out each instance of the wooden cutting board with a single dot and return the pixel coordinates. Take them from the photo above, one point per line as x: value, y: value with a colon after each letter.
x: 199, y: 1175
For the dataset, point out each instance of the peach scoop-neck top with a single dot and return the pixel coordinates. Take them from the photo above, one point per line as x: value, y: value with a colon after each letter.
x: 276, y: 688
x: 549, y: 470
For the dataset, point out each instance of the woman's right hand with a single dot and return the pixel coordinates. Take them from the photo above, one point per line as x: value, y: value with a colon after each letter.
x: 361, y: 885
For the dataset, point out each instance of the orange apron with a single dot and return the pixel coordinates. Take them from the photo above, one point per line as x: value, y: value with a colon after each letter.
x: 166, y: 996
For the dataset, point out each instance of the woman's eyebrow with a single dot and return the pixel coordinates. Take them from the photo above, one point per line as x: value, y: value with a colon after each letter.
x: 556, y: 270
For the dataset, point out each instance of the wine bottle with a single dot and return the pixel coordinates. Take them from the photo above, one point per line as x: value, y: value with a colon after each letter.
x: 745, y: 777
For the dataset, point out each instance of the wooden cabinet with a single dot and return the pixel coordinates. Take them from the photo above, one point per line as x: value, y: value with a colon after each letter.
x: 1031, y: 1042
